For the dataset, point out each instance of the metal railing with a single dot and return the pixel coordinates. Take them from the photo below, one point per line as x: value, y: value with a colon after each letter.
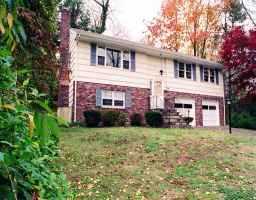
x: 156, y: 102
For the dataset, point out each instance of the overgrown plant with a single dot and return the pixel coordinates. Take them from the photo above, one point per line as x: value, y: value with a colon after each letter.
x: 28, y: 127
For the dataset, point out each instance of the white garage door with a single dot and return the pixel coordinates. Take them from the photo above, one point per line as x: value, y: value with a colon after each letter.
x: 210, y: 113
x: 186, y: 107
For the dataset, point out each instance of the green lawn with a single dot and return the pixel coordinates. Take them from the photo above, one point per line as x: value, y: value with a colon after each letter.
x: 144, y: 163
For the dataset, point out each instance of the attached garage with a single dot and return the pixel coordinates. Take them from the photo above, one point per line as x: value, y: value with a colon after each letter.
x: 210, y: 113
x: 186, y: 107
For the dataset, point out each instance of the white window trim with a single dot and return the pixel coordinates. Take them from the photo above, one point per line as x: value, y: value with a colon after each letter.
x: 185, y: 71
x: 121, y: 60
x: 209, y: 75
x: 113, y: 100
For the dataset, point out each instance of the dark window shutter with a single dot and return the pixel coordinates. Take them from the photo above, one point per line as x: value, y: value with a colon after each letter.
x: 194, y: 71
x: 133, y: 61
x: 201, y: 72
x: 98, y: 97
x: 128, y: 99
x: 217, y: 76
x: 176, y: 69
x: 93, y: 53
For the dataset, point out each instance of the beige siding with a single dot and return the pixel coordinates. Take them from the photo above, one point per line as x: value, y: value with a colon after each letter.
x: 147, y: 68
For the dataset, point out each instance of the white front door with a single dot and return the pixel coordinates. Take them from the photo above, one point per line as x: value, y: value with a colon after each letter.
x: 186, y: 107
x: 210, y: 113
x: 157, y: 95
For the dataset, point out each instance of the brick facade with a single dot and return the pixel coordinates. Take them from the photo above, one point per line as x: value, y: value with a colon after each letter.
x: 86, y: 100
x: 86, y: 97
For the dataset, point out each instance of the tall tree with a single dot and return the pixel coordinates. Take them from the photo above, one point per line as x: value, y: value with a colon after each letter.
x: 38, y: 56
x: 248, y: 11
x: 83, y: 18
x: 232, y: 14
x: 238, y: 56
x: 190, y: 25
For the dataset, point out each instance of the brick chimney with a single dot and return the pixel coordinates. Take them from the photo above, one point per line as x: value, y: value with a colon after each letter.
x: 64, y: 81
x: 64, y: 110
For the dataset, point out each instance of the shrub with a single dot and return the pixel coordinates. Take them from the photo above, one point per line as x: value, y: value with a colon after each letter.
x: 154, y: 119
x: 92, y: 118
x: 136, y: 119
x: 122, y: 119
x: 110, y: 118
x: 188, y: 120
x: 243, y: 120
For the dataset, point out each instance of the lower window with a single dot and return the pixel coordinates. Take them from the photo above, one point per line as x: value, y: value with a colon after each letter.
x: 113, y: 99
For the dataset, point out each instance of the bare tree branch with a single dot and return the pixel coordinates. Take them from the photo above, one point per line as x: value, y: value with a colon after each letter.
x: 248, y: 13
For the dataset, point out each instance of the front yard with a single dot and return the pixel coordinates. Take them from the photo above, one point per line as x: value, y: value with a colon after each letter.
x: 145, y: 163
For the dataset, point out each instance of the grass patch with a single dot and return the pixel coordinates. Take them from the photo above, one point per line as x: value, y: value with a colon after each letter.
x: 148, y: 163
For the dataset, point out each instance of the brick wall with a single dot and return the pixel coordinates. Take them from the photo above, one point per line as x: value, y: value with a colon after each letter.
x: 86, y: 100
x: 63, y: 92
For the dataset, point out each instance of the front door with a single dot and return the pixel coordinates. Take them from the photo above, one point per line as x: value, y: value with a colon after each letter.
x: 157, y: 95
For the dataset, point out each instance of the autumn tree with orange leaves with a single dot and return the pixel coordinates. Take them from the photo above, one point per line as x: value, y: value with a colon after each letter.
x: 194, y: 27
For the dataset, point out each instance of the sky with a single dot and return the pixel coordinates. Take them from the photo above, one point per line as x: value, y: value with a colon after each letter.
x: 133, y: 15
x: 128, y: 18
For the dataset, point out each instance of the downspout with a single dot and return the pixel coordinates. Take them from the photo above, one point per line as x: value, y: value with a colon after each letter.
x: 75, y: 83
x: 74, y: 102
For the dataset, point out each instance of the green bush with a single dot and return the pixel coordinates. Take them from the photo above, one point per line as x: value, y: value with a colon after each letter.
x: 243, y: 120
x: 92, y: 118
x: 110, y: 118
x: 154, y: 119
x: 136, y: 119
x: 188, y: 120
x: 122, y: 119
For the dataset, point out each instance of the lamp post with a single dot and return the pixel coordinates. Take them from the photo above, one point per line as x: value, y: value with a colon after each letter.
x: 229, y: 115
x: 229, y: 101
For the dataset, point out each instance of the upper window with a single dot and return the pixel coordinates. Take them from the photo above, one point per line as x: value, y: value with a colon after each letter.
x: 113, y: 99
x: 181, y: 70
x: 188, y: 71
x: 113, y: 58
x: 212, y: 75
x: 206, y: 74
x: 184, y: 70
x: 209, y: 75
x: 126, y: 60
x: 101, y: 56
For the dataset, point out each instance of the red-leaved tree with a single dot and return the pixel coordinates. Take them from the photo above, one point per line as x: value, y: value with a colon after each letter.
x: 238, y: 54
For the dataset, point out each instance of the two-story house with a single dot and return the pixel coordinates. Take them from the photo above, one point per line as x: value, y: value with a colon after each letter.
x: 99, y: 71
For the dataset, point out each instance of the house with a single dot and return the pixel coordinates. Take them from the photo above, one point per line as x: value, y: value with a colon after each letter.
x: 99, y: 71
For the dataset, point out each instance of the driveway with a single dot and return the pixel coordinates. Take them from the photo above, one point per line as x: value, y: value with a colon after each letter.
x: 236, y: 131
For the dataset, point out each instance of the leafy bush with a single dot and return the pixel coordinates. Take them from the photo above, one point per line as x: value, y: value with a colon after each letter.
x: 92, y: 118
x: 110, y: 118
x: 136, y: 119
x: 243, y: 120
x: 188, y: 120
x: 122, y: 119
x: 154, y: 119
x: 28, y: 140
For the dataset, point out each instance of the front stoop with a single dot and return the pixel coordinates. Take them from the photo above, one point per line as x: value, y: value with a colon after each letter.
x: 172, y: 119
